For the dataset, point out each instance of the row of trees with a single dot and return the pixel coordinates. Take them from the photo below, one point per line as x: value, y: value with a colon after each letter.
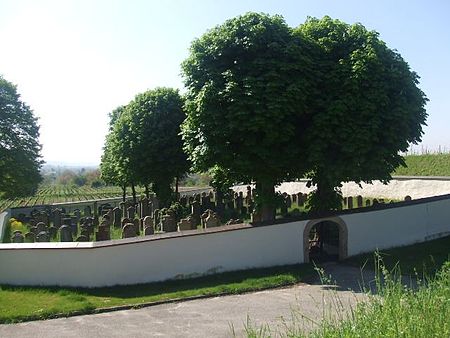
x: 20, y: 158
x: 267, y: 103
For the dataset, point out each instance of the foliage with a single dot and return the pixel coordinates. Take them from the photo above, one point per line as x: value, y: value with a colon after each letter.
x: 149, y: 142
x: 369, y: 108
x: 20, y: 158
x: 113, y: 167
x: 247, y: 82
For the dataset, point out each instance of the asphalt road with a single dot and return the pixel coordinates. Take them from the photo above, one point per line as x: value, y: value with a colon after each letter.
x: 214, y: 317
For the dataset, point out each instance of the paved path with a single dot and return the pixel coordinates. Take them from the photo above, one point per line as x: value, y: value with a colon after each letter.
x: 213, y: 317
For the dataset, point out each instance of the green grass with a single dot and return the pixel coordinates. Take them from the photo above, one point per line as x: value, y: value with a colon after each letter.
x: 395, y: 311
x: 423, y: 258
x: 32, y: 303
x: 426, y: 165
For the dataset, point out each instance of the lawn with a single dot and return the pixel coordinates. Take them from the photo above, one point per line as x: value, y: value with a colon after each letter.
x: 425, y: 257
x: 32, y: 303
x: 426, y: 165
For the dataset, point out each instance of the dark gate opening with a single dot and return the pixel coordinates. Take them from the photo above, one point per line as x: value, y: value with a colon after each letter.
x: 324, y: 242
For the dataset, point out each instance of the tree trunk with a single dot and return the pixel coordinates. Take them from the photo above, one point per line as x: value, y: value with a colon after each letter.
x: 133, y: 189
x: 147, y: 191
x: 124, y: 192
x: 266, y: 200
x: 177, y: 198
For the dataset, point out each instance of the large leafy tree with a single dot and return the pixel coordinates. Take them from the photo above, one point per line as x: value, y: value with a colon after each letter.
x: 20, y: 158
x: 150, y: 140
x: 247, y: 86
x: 369, y: 108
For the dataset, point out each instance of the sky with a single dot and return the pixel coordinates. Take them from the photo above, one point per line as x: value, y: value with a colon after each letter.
x: 74, y: 61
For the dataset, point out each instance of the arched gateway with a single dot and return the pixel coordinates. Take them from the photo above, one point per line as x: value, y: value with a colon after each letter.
x: 325, y: 239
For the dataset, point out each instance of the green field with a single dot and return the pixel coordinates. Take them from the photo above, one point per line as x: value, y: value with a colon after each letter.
x: 60, y: 193
x: 426, y: 165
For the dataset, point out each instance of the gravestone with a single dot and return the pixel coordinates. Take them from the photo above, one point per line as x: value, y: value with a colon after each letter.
x: 359, y: 201
x: 186, y: 224
x: 196, y: 212
x: 148, y: 226
x: 212, y: 220
x: 42, y: 237
x: 52, y: 231
x: 350, y: 202
x: 248, y: 196
x: 131, y: 212
x: 57, y: 218
x: 256, y: 217
x: 169, y: 222
x: 17, y: 237
x: 125, y: 221
x: 408, y: 198
x: 102, y: 234
x: 41, y: 227
x: 367, y: 203
x: 87, y: 211
x: 137, y: 224
x: 143, y: 206
x: 82, y: 238
x: 128, y: 231
x: 30, y: 237
x: 77, y: 214
x: 74, y: 224
x: 65, y: 234
x: 117, y: 215
x: 34, y: 230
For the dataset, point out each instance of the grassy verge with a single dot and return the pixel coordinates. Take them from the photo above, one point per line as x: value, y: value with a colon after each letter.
x: 426, y: 165
x: 425, y: 258
x: 32, y: 303
x: 396, y: 311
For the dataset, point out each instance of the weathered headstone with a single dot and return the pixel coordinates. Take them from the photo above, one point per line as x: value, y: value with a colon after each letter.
x: 65, y: 234
x: 102, y: 234
x: 195, y: 212
x: 350, y: 202
x: 149, y: 228
x: 57, y: 218
x: 408, y: 198
x: 367, y: 203
x: 131, y: 212
x: 359, y: 201
x: 186, y: 224
x: 128, y: 231
x: 137, y: 224
x: 52, y: 231
x: 41, y: 226
x: 30, y: 237
x: 87, y: 211
x: 212, y: 220
x: 169, y: 222
x: 42, y: 237
x: 82, y: 238
x: 17, y: 237
x: 117, y: 216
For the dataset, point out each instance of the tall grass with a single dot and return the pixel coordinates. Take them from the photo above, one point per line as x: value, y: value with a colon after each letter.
x: 421, y: 309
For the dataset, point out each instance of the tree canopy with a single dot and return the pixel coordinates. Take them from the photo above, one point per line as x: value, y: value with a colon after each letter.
x: 247, y: 83
x: 20, y: 158
x: 329, y: 100
x: 368, y: 111
x: 144, y: 145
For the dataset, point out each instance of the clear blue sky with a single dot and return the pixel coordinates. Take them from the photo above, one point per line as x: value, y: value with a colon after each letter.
x: 75, y: 61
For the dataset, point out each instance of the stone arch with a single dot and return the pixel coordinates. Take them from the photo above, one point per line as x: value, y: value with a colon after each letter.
x: 343, y: 236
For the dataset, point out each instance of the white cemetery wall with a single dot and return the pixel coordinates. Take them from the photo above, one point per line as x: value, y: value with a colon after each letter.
x: 140, y: 261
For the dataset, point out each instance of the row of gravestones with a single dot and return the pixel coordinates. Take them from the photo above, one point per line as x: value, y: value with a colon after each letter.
x: 350, y: 203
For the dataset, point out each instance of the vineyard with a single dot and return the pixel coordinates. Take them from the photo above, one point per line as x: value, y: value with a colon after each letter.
x: 60, y: 193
